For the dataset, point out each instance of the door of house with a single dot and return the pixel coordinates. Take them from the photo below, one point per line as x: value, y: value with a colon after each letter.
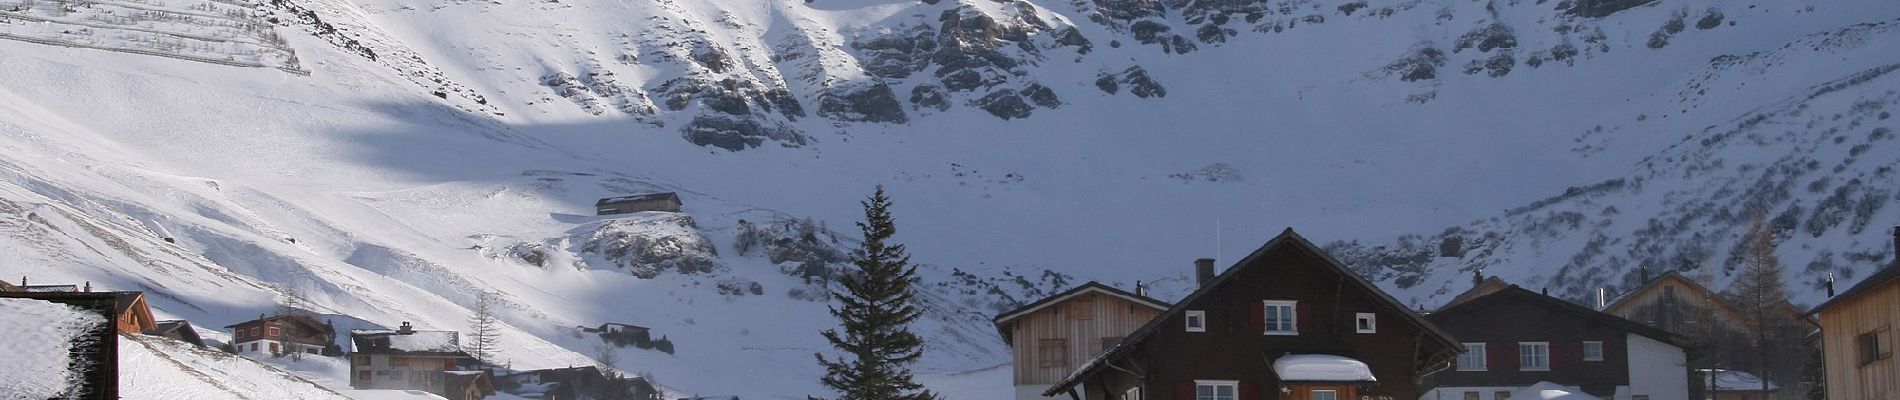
x: 1322, y: 392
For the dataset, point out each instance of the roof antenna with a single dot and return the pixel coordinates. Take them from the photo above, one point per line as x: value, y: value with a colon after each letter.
x: 1217, y: 236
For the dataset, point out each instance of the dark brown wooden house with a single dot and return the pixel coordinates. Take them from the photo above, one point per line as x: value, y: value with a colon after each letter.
x: 282, y: 334
x: 1515, y: 338
x: 668, y: 201
x: 1286, y: 322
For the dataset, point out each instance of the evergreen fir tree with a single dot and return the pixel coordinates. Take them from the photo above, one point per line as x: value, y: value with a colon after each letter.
x: 875, y: 309
x: 484, y: 329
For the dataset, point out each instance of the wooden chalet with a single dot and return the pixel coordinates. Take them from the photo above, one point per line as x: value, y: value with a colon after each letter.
x: 668, y: 202
x: 1722, y: 384
x: 467, y: 385
x: 96, y: 361
x: 1857, y: 337
x: 1665, y: 303
x: 1050, y: 337
x: 179, y: 330
x: 283, y: 334
x: 1286, y: 322
x: 574, y: 383
x: 408, y: 359
x: 1515, y: 338
x: 1483, y: 287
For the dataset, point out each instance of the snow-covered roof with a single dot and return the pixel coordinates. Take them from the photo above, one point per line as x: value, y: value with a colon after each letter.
x: 1732, y: 380
x: 415, y: 342
x: 1321, y: 368
x: 463, y: 373
x: 41, y: 337
x: 1551, y: 391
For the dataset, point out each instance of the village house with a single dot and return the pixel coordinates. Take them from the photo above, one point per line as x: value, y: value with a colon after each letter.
x: 95, y: 361
x: 1050, y: 337
x: 575, y: 383
x: 179, y: 330
x: 282, y: 334
x: 668, y: 202
x: 130, y: 311
x: 1515, y: 338
x: 1286, y: 322
x: 1857, y: 335
x: 408, y: 359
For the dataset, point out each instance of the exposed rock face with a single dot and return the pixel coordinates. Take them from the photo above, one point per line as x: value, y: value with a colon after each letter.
x: 1137, y: 80
x: 648, y: 244
x: 738, y: 133
x: 1005, y: 104
x: 895, y: 55
x: 1487, y: 37
x: 971, y: 49
x: 1600, y: 8
x: 872, y: 103
x: 929, y: 97
x: 598, y: 92
x: 1422, y: 64
x: 729, y: 96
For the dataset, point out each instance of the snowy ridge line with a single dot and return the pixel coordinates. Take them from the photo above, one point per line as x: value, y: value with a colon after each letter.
x: 30, y: 39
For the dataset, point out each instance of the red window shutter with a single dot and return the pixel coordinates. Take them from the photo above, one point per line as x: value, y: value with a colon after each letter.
x: 1510, y: 356
x: 1249, y: 391
x: 1259, y: 318
x: 1303, y: 318
x: 1558, y: 351
x: 1184, y: 391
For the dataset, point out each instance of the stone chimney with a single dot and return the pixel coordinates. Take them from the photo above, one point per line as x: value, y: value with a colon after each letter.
x: 1140, y: 291
x: 405, y: 329
x: 1203, y: 271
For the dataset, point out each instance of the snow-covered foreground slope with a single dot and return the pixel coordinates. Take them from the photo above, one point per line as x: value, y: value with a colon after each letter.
x: 440, y: 149
x: 157, y: 368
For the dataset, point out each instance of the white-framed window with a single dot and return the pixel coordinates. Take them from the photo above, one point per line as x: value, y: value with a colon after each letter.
x: 1501, y: 395
x: 1133, y: 393
x: 1324, y: 395
x: 1593, y: 351
x: 1216, y: 390
x: 1533, y: 356
x: 1473, y: 358
x: 1281, y: 317
x: 1366, y: 322
x: 1196, y: 321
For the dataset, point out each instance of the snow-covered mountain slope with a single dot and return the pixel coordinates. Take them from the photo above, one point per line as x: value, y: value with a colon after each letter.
x: 392, y: 159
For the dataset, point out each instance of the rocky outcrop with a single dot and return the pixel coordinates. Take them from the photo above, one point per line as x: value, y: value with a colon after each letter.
x: 1005, y: 104
x: 897, y: 54
x: 737, y: 134
x: 1137, y: 80
x: 598, y: 92
x: 1421, y: 64
x: 649, y: 244
x: 862, y: 103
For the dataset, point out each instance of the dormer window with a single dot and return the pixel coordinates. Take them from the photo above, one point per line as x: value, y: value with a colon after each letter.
x: 1196, y: 321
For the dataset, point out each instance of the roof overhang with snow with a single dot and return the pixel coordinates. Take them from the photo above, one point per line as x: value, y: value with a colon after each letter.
x: 1327, y: 368
x: 1003, y: 320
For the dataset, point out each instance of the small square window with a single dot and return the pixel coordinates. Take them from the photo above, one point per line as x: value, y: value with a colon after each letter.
x: 1134, y: 393
x: 1640, y: 397
x: 1216, y: 390
x: 1281, y: 317
x: 1366, y: 322
x: 1872, y: 346
x: 1501, y: 395
x: 1593, y: 351
x: 1533, y: 356
x: 1473, y: 358
x: 1196, y: 321
x: 1471, y: 396
x: 1052, y: 353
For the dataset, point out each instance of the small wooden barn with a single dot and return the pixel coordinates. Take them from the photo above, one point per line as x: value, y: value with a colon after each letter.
x: 668, y: 202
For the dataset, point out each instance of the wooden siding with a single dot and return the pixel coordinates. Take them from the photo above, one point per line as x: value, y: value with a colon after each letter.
x: 1643, y: 307
x: 1108, y: 317
x: 1841, y: 324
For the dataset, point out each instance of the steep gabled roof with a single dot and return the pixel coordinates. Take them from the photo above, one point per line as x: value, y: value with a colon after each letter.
x: 1287, y: 239
x: 1004, y: 319
x: 638, y: 197
x: 1518, y: 295
x: 1878, y: 279
x: 1488, y: 286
